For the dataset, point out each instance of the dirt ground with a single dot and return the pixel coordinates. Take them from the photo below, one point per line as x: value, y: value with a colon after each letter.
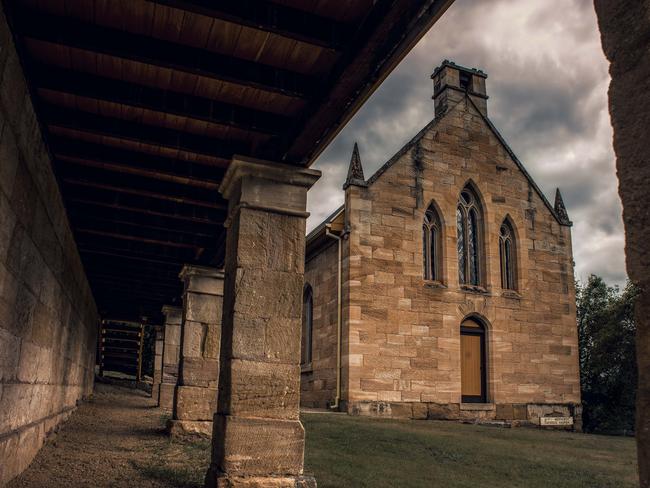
x: 116, y: 440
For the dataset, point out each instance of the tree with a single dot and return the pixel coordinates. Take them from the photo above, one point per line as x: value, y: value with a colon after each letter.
x: 608, y: 373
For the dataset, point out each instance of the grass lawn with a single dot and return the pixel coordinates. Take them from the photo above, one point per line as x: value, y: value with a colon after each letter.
x: 359, y: 452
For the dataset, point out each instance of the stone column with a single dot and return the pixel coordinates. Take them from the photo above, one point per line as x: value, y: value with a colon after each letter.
x: 195, y: 401
x: 157, y: 361
x: 623, y: 27
x: 258, y: 440
x: 171, y: 353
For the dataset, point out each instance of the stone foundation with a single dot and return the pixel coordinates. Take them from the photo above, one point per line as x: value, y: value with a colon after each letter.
x: 511, y: 414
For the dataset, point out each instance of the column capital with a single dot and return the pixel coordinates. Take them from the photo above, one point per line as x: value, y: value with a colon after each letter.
x: 172, y: 314
x: 202, y: 279
x: 268, y: 186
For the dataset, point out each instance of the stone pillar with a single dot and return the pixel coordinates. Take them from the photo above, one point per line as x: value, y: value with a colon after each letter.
x: 623, y: 27
x: 171, y: 353
x: 258, y: 440
x: 157, y: 362
x: 195, y: 401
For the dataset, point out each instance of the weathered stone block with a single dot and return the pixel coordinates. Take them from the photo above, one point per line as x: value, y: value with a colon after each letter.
x: 202, y: 308
x: 259, y: 447
x: 195, y: 403
x: 505, y: 411
x: 166, y: 397
x: 420, y: 411
x: 262, y: 389
x: 199, y: 372
x: 449, y: 411
x: 189, y: 428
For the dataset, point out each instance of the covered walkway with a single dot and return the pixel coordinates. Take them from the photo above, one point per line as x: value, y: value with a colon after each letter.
x: 117, y: 439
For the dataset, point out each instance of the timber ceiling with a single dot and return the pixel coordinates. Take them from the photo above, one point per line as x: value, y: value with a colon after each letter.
x: 144, y: 102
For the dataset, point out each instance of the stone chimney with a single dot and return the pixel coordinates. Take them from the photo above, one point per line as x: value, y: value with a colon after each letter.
x: 452, y: 82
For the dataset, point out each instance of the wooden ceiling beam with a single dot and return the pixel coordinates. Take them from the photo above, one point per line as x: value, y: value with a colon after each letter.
x: 154, y: 99
x: 144, y: 211
x: 116, y: 221
x: 65, y: 31
x: 136, y: 132
x: 281, y: 20
x: 98, y: 152
x: 98, y: 252
x: 158, y: 286
x: 144, y: 193
x: 131, y: 170
x: 129, y: 237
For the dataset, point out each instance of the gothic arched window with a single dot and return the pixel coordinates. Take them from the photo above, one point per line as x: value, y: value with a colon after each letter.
x: 431, y: 244
x: 307, y: 324
x: 507, y: 255
x: 468, y: 221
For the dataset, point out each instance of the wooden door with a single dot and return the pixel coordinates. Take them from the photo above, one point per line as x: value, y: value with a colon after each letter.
x: 472, y: 362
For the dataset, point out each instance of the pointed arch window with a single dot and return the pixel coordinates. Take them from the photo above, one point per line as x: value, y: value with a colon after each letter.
x: 307, y: 325
x: 468, y: 222
x: 432, y: 244
x: 507, y: 255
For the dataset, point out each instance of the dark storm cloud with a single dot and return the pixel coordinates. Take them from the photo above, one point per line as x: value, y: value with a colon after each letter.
x: 547, y: 85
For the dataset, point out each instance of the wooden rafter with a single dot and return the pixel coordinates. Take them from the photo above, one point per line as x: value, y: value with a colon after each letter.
x: 145, y: 193
x: 277, y: 19
x: 130, y: 170
x: 144, y: 211
x: 65, y: 31
x: 134, y: 131
x: 164, y: 101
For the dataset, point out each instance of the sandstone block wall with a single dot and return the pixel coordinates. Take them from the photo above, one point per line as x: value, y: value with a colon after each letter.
x: 404, y: 333
x: 318, y: 380
x: 48, y: 318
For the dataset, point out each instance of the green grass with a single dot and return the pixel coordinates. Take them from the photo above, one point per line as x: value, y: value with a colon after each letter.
x: 357, y: 452
x: 344, y: 451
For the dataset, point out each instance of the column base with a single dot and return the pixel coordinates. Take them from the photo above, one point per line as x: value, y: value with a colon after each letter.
x: 221, y: 480
x: 187, y: 428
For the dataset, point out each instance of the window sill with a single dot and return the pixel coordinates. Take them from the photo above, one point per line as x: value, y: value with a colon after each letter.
x: 511, y: 294
x: 473, y: 289
x: 434, y: 284
x: 306, y: 368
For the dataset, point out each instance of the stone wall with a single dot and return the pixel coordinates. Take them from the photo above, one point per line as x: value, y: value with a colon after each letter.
x: 318, y: 380
x: 48, y: 318
x: 403, y: 332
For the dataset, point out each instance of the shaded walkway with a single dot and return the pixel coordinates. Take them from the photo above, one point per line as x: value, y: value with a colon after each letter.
x: 116, y: 440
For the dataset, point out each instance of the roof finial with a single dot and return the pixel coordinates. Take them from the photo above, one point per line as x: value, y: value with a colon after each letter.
x: 560, y: 209
x: 355, y: 171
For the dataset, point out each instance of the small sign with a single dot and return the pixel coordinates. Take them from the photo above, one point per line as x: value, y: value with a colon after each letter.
x: 556, y: 421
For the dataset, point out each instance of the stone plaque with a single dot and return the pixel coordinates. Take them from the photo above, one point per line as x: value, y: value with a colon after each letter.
x: 556, y: 421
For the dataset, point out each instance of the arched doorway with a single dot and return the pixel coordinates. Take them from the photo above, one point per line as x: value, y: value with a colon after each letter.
x: 472, y: 362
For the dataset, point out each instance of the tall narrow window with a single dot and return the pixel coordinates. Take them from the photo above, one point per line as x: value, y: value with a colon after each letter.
x: 307, y: 324
x: 431, y: 244
x: 468, y: 222
x: 507, y: 255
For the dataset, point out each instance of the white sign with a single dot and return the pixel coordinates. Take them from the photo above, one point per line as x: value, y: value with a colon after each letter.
x: 556, y: 421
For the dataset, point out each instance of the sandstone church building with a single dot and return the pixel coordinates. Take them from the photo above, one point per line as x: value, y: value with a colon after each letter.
x: 443, y: 287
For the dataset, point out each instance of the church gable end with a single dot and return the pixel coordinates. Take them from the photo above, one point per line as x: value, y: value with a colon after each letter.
x: 452, y: 249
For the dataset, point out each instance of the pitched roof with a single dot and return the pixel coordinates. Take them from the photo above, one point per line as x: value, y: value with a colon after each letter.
x: 496, y: 133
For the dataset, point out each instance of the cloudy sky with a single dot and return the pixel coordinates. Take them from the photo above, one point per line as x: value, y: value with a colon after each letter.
x: 548, y: 96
